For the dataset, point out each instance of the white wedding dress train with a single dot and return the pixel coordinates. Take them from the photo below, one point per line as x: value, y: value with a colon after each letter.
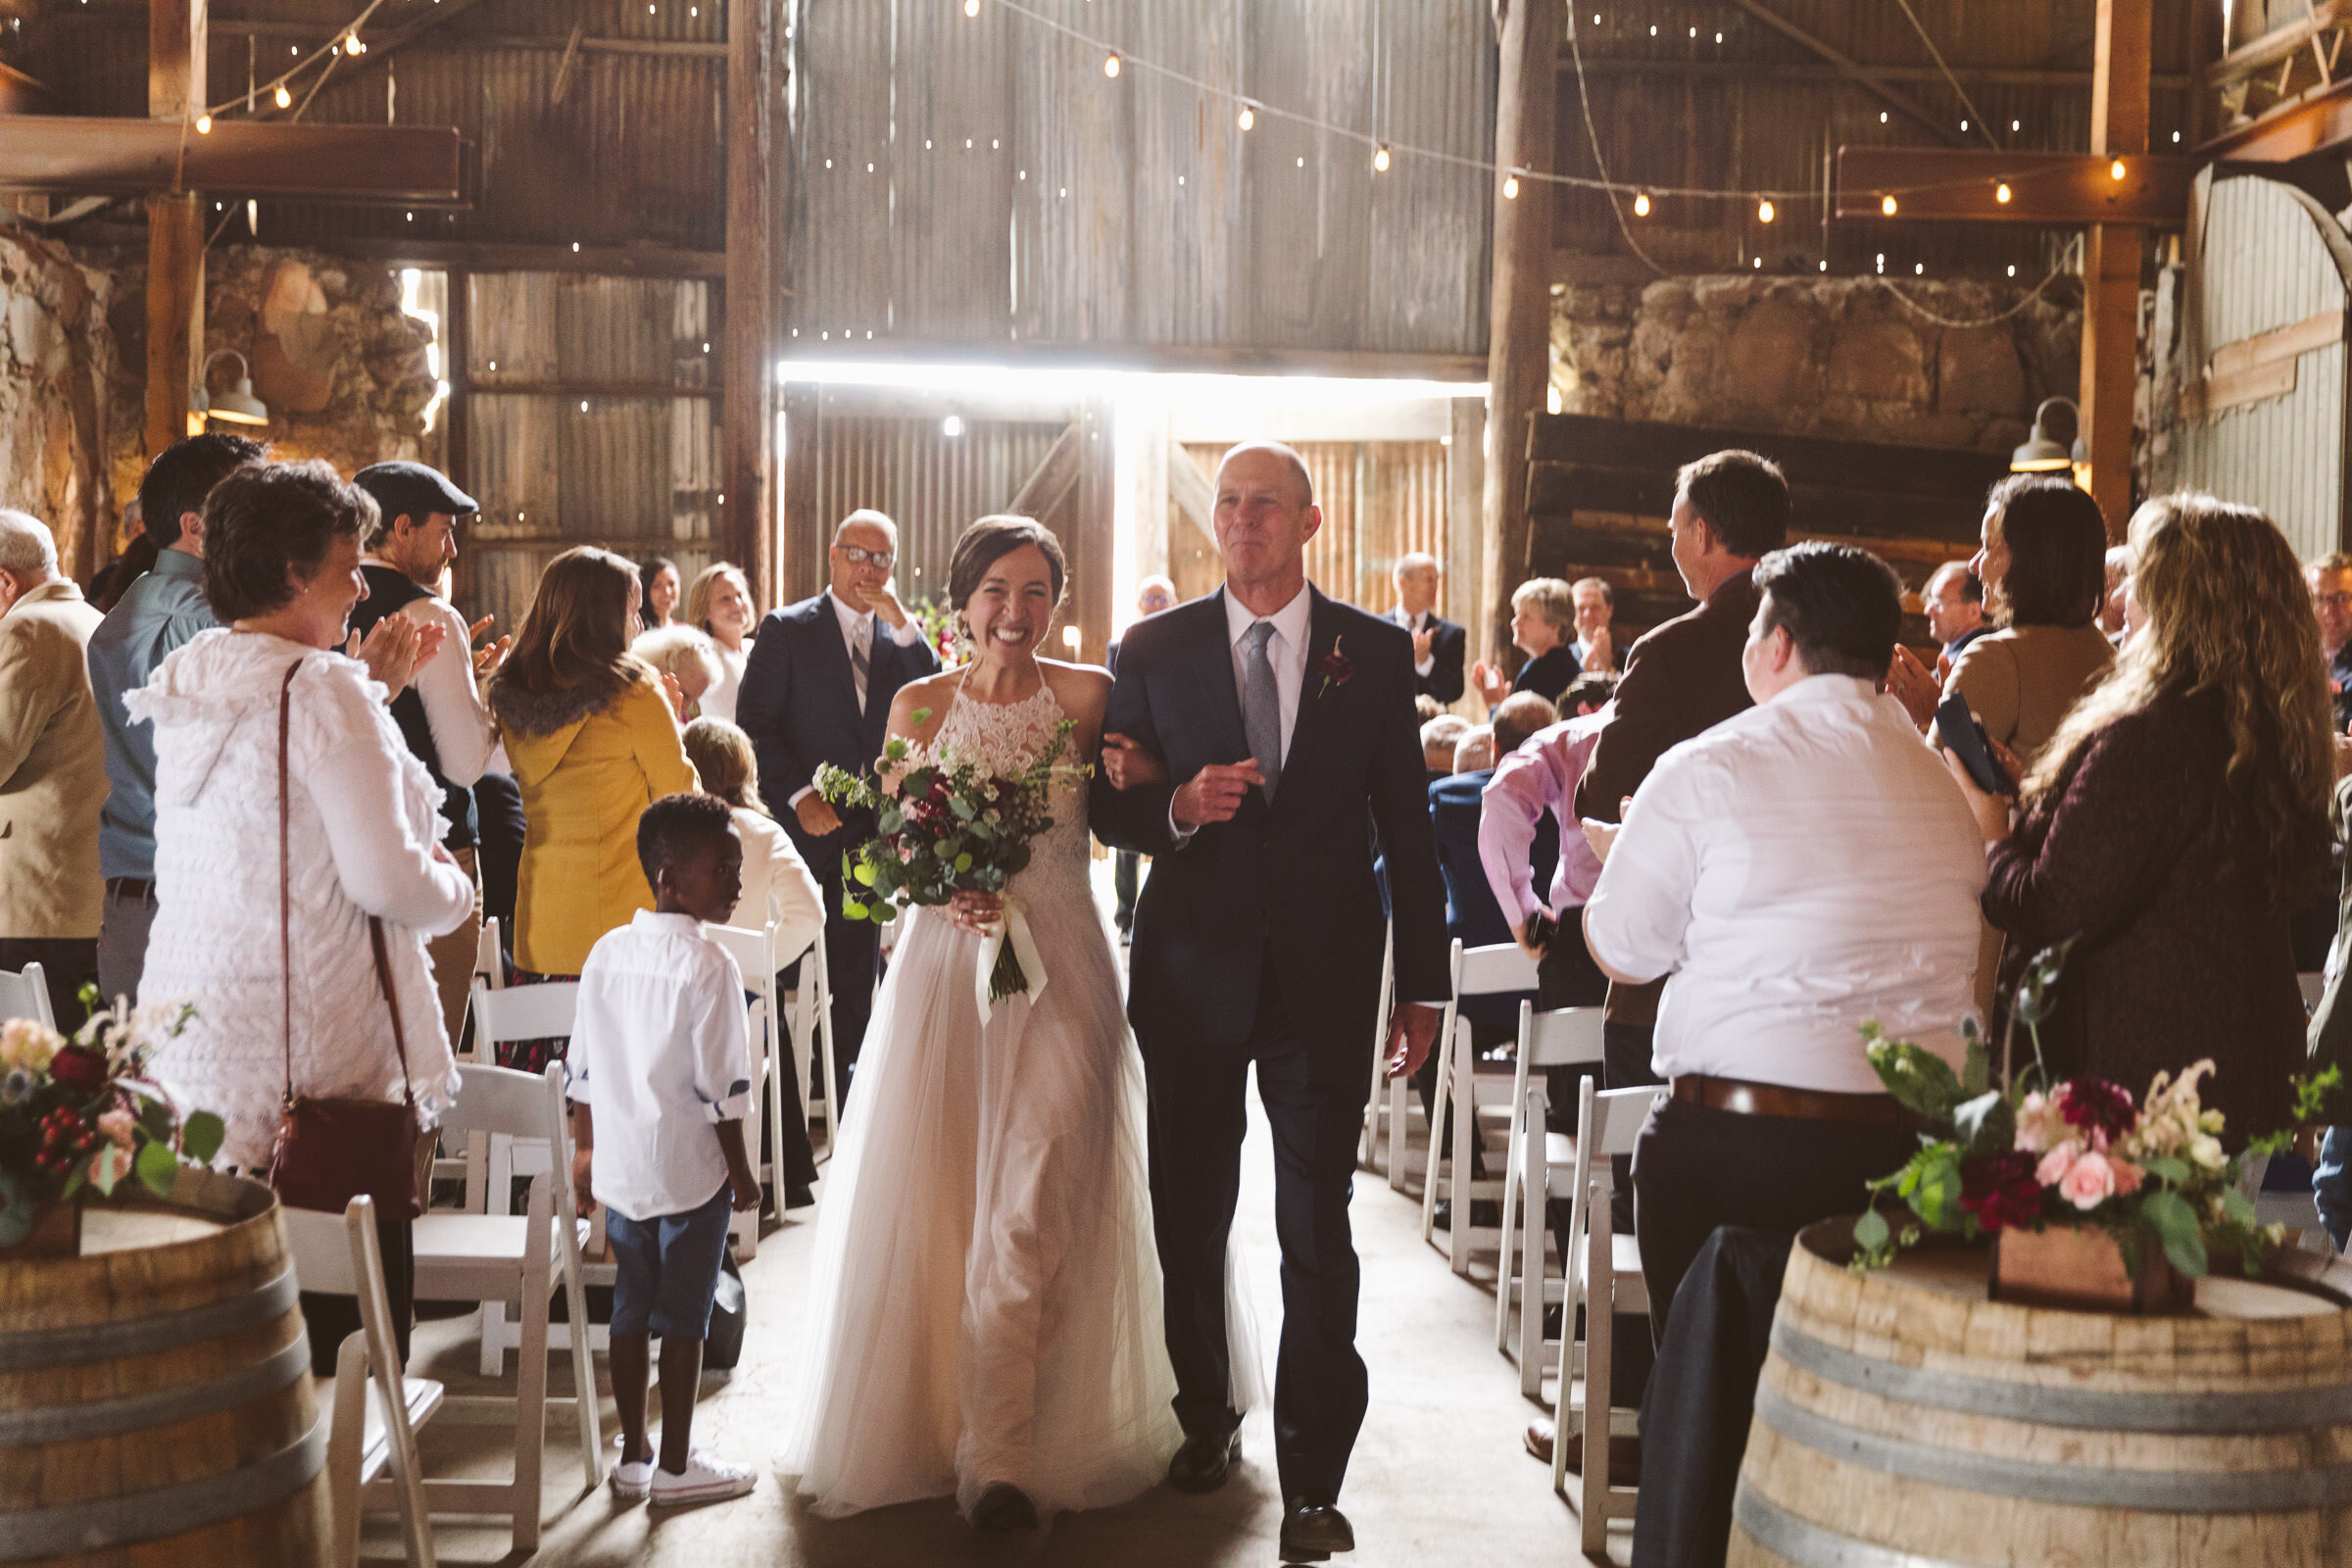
x: 986, y: 1305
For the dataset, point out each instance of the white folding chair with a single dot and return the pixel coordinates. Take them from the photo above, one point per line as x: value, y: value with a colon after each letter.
x: 503, y: 1259
x: 755, y: 954
x: 24, y: 994
x: 1570, y: 1037
x: 811, y: 1032
x: 1605, y: 1277
x: 373, y: 1411
x: 1502, y: 967
x: 1386, y: 1099
x: 489, y: 970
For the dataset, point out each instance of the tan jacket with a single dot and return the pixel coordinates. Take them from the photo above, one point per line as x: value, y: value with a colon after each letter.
x: 52, y: 768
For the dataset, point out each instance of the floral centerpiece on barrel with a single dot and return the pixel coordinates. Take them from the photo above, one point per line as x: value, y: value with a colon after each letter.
x: 80, y: 1116
x: 2091, y: 1197
x: 943, y: 827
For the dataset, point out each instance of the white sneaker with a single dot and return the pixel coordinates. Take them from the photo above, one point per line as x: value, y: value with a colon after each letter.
x: 706, y: 1480
x: 631, y: 1480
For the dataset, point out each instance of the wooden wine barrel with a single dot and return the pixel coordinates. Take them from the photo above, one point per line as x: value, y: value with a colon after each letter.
x: 1904, y: 1419
x: 155, y: 1392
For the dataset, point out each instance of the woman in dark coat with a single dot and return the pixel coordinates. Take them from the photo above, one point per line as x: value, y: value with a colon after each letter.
x: 2175, y: 820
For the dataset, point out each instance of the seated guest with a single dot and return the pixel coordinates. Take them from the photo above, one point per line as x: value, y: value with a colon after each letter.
x: 662, y: 583
x: 719, y: 607
x: 1798, y: 869
x: 1596, y: 644
x: 358, y: 828
x: 687, y: 656
x: 2329, y: 579
x: 1437, y: 643
x: 1953, y: 600
x: 1530, y: 796
x: 1542, y: 624
x: 52, y: 770
x: 1439, y: 737
x: 1475, y: 751
x: 594, y: 741
x: 2175, y: 820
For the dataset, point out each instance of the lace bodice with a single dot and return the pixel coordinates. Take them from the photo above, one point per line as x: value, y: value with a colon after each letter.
x: 1009, y: 738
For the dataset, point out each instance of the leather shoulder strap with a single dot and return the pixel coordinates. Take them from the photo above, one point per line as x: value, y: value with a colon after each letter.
x: 285, y: 896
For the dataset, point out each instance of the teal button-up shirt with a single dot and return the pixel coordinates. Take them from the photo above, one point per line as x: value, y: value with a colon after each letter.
x: 161, y: 611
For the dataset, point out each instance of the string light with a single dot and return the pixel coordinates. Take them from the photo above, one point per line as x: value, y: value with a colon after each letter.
x: 2115, y: 171
x: 1247, y: 118
x: 1510, y: 188
x: 353, y: 45
x: 285, y: 99
x: 1641, y: 205
x: 203, y: 125
x: 971, y: 8
x: 1764, y: 212
x: 1110, y: 65
x: 1380, y: 160
x: 1886, y: 205
x: 2000, y: 193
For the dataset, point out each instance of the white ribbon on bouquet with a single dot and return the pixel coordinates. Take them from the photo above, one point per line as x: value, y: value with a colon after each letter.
x: 1012, y: 928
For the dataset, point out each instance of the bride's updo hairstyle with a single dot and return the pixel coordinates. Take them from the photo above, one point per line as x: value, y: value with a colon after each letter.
x: 990, y: 540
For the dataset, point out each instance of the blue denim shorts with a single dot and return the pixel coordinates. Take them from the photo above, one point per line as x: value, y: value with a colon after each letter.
x: 668, y: 1268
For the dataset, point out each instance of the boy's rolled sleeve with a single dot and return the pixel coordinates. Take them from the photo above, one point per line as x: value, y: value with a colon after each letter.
x: 722, y: 1068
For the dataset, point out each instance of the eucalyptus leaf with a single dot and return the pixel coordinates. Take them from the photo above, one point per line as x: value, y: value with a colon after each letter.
x: 2164, y: 1168
x: 854, y: 909
x: 155, y: 1168
x: 961, y: 807
x: 963, y: 863
x: 199, y: 1136
x: 103, y: 1174
x: 1871, y: 1231
x: 2238, y: 1207
x: 864, y: 875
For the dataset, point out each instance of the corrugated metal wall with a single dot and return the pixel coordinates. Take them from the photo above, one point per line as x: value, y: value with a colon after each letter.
x: 2263, y: 266
x: 636, y: 472
x: 981, y: 182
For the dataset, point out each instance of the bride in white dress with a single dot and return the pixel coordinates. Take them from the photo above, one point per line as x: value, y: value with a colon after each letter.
x: 986, y: 1307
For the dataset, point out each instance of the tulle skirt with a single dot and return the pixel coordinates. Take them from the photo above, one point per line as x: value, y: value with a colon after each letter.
x: 987, y: 1301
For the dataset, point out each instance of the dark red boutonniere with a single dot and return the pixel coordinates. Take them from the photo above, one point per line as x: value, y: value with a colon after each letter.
x: 1334, y: 667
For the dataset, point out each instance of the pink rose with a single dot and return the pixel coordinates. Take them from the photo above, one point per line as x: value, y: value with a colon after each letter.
x: 2128, y: 1177
x: 2056, y: 1163
x: 2089, y: 1183
x: 120, y: 1125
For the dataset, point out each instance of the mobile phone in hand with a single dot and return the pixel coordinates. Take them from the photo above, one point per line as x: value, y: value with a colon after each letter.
x: 1957, y: 729
x: 1541, y: 929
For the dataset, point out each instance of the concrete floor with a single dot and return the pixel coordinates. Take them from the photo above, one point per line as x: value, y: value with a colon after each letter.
x: 1438, y: 1477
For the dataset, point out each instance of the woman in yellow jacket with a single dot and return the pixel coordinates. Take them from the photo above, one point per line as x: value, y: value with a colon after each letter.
x: 594, y: 741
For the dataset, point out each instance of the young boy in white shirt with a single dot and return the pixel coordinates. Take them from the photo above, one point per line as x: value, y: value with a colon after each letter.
x: 660, y: 1067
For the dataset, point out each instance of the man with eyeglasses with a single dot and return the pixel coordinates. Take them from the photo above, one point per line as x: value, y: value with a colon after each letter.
x: 816, y: 689
x: 2330, y: 581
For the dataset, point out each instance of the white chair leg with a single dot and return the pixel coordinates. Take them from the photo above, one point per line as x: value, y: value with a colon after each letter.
x: 1504, y: 1260
x: 343, y: 1446
x: 1535, y: 1179
x: 530, y: 1375
x: 1599, y: 1332
x: 1368, y: 1151
x: 1465, y: 1131
x: 1440, y: 1096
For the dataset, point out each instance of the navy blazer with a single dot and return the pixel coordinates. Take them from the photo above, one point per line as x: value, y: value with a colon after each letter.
x: 1448, y: 644
x: 1293, y: 878
x: 1471, y: 912
x: 798, y: 702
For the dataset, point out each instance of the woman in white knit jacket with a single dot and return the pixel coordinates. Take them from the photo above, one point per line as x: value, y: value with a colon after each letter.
x: 363, y: 838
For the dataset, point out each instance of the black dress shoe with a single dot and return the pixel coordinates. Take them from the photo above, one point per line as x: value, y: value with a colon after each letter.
x: 798, y: 1195
x: 1003, y: 1508
x: 1312, y: 1530
x: 1202, y: 1463
x: 1484, y: 1212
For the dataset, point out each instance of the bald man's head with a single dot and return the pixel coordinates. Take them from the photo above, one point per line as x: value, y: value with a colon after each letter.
x: 1288, y: 456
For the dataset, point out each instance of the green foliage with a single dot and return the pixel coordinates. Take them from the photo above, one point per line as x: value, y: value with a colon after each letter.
x: 1922, y: 1081
x: 199, y: 1136
x: 2169, y: 1217
x: 157, y: 1168
x: 1930, y: 1183
x: 1985, y: 1124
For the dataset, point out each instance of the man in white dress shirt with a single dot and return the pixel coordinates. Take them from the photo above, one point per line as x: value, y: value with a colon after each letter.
x: 1798, y: 869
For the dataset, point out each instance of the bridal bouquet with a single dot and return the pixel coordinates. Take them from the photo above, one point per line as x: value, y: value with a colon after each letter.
x: 2035, y: 1154
x: 81, y: 1114
x: 944, y: 827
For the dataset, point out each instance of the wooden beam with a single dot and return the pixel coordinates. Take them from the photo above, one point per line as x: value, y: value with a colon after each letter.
x: 381, y: 50
x: 2112, y: 256
x: 1224, y: 359
x: 748, y: 335
x: 516, y: 386
x: 20, y: 94
x: 1193, y: 493
x: 1794, y: 71
x: 1861, y: 75
x: 2045, y: 189
x: 803, y: 571
x: 74, y: 156
x: 175, y: 94
x: 1519, y: 308
x: 2318, y: 121
x: 601, y: 260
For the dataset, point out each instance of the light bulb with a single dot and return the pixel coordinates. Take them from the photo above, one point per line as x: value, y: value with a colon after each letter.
x: 1380, y: 160
x: 1886, y: 205
x: 1641, y: 204
x: 203, y: 125
x: 1764, y: 212
x: 1510, y: 188
x: 2000, y: 193
x: 1110, y: 65
x: 1247, y: 118
x: 285, y: 99
x: 355, y: 46
x: 971, y: 8
x: 2115, y: 171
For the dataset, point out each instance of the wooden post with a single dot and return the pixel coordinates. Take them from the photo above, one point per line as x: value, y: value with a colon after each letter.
x: 805, y: 534
x: 175, y: 90
x: 1519, y: 331
x: 747, y: 527
x: 2119, y: 128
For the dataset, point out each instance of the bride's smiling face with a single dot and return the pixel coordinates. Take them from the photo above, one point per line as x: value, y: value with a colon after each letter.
x: 1010, y: 614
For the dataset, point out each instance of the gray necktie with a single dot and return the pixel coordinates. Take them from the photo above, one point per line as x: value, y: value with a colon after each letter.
x: 1261, y: 706
x: 860, y: 665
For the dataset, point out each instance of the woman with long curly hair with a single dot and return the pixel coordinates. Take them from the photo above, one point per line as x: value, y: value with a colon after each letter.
x: 2175, y: 820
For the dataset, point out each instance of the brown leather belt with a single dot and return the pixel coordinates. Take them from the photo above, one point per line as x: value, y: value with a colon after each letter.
x: 1778, y: 1100
x: 130, y: 887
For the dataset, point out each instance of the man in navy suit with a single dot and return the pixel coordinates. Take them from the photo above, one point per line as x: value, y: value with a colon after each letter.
x: 1277, y: 729
x: 1437, y: 643
x: 816, y: 689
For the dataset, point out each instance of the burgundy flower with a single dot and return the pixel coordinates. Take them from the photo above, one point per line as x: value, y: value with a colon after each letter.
x: 2097, y: 1105
x: 78, y: 1067
x: 1334, y: 667
x: 2000, y: 1190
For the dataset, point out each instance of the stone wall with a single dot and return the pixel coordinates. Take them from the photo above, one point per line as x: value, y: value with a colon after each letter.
x: 56, y: 358
x: 1843, y: 358
x: 341, y: 368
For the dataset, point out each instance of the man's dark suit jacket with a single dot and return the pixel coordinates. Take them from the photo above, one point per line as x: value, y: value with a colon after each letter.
x: 1681, y: 678
x: 798, y: 703
x: 1293, y: 878
x: 1471, y: 913
x: 1448, y: 643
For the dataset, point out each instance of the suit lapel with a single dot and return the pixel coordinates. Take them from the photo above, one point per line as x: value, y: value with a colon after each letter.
x: 1212, y: 656
x: 1314, y: 703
